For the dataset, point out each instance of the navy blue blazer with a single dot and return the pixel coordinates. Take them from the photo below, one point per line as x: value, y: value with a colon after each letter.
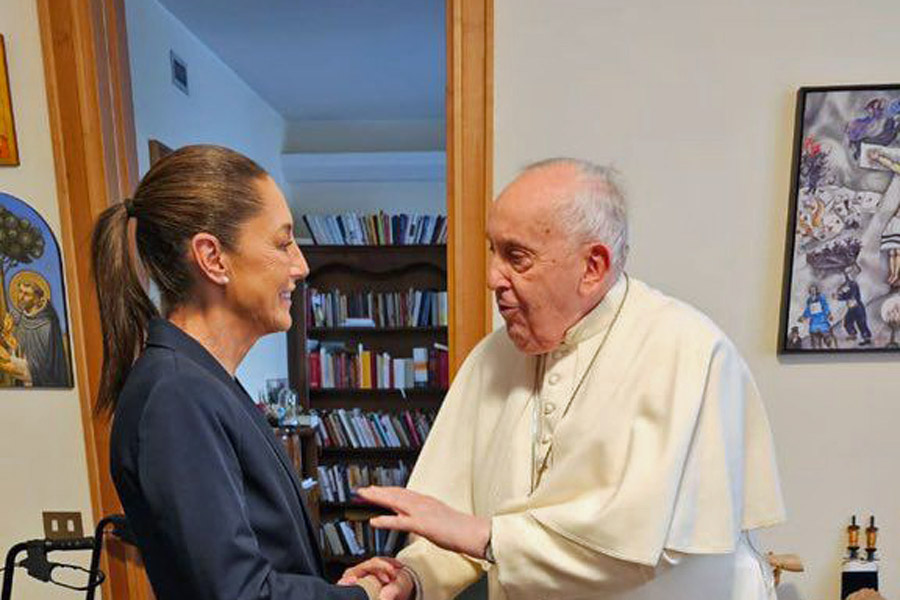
x: 212, y: 497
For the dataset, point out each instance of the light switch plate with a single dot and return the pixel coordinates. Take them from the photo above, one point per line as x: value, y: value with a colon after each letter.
x: 62, y: 525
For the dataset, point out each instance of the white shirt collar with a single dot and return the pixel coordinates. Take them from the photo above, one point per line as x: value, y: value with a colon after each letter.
x: 599, y: 318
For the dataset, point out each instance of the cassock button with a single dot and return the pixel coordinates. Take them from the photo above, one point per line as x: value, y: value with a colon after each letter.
x: 549, y: 408
x: 546, y: 439
x: 554, y: 379
x: 557, y: 354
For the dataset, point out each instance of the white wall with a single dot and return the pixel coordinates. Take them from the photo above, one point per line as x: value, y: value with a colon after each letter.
x: 42, y: 457
x: 694, y: 101
x: 221, y: 109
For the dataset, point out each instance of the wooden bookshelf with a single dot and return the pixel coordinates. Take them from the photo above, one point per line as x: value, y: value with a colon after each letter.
x: 354, y: 269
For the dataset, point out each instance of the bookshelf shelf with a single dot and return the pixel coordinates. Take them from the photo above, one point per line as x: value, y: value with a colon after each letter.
x: 354, y: 506
x: 343, y: 332
x: 352, y: 269
x: 357, y: 453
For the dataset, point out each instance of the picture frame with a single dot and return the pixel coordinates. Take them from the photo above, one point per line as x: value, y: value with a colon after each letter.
x: 841, y: 286
x: 35, y: 341
x: 9, y: 146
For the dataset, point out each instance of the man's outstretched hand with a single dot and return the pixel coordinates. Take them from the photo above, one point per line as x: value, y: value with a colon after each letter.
x: 430, y: 518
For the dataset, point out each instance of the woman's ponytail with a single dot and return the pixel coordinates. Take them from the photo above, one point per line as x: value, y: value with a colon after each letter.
x: 125, y: 307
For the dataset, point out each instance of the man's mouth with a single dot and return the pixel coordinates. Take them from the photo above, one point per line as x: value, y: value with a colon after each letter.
x: 506, y: 309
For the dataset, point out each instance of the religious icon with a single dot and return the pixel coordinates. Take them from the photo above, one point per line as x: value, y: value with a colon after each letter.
x: 34, y: 337
x: 9, y: 149
x: 842, y: 268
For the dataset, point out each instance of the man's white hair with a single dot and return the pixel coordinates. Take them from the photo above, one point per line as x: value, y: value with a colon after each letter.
x: 598, y: 211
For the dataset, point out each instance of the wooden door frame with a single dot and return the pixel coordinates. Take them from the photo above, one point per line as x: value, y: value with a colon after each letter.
x: 87, y: 72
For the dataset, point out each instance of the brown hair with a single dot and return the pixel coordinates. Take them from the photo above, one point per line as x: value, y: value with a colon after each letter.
x: 195, y: 189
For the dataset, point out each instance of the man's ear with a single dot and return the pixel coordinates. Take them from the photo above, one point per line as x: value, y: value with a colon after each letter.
x: 210, y: 257
x: 597, y: 264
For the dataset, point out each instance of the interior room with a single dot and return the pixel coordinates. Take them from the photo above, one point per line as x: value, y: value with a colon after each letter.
x: 754, y: 143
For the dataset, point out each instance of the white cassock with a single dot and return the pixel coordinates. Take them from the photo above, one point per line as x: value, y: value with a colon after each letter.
x: 629, y: 463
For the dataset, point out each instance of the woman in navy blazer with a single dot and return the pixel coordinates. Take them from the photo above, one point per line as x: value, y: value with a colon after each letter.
x: 212, y: 498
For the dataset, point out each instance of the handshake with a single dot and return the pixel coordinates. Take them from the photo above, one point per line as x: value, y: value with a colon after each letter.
x: 386, y: 578
x: 382, y: 577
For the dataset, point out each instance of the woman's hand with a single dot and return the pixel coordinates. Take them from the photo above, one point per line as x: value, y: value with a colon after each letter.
x: 384, y: 568
x: 397, y: 584
x: 429, y: 518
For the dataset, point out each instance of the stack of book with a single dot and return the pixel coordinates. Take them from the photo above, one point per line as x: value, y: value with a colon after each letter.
x: 338, y: 481
x: 330, y: 365
x: 355, y: 537
x: 382, y: 229
x: 412, y: 308
x: 356, y: 428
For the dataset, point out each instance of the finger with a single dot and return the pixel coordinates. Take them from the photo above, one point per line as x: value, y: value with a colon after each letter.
x: 395, y: 498
x: 385, y: 570
x: 398, y: 522
x: 371, y: 566
x: 389, y: 592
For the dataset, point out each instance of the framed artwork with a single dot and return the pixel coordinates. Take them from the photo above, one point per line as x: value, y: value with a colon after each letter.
x: 34, y: 334
x: 157, y: 150
x: 842, y: 261
x: 9, y: 148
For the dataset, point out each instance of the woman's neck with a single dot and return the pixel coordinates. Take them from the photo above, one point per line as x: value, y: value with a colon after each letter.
x: 223, y: 335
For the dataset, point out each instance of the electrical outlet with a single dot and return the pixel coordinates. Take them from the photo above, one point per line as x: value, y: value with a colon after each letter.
x: 62, y: 525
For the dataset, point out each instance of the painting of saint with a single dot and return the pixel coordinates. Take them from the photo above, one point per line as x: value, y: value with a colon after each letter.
x: 9, y: 151
x: 34, y: 337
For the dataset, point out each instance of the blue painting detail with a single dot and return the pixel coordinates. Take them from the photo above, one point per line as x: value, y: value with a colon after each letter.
x: 34, y: 333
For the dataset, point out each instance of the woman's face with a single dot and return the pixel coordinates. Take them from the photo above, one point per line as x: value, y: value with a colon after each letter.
x: 266, y: 265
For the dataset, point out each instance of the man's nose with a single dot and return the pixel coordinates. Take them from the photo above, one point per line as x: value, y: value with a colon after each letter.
x: 496, y: 278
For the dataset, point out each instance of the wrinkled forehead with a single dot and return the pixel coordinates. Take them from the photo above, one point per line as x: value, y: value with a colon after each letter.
x: 530, y: 205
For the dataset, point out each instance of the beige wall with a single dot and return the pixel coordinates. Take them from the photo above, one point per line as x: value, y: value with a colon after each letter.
x: 42, y: 456
x: 693, y: 101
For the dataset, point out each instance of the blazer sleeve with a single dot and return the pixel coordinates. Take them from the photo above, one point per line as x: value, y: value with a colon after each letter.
x: 192, y: 481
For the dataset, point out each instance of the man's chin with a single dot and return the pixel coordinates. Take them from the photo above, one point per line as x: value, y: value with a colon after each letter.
x: 523, y: 342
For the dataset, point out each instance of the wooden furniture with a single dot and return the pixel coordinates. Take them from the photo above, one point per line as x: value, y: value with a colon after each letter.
x: 350, y: 269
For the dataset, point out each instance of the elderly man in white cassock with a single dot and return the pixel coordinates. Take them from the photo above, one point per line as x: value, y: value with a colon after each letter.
x: 611, y: 443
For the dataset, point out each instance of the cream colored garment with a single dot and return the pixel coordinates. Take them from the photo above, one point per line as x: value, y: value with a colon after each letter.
x: 664, y: 451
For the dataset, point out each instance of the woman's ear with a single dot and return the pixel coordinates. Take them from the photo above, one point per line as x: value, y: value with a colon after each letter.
x: 210, y: 257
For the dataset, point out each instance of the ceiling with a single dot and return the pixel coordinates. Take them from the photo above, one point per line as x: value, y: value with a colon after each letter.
x: 330, y: 59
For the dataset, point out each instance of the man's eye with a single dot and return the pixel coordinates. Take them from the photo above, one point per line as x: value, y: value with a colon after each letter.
x: 519, y: 259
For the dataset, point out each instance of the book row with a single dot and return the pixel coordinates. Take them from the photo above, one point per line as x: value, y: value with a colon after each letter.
x: 356, y: 428
x: 412, y: 308
x: 358, y: 538
x: 338, y: 482
x: 382, y: 229
x: 331, y: 366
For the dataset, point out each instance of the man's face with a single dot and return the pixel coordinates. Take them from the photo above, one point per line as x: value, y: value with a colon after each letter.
x: 536, y: 270
x: 27, y: 297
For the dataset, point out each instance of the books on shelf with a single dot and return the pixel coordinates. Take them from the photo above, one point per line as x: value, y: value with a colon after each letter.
x: 356, y: 428
x: 355, y: 537
x: 412, y: 308
x: 330, y: 365
x: 338, y: 481
x: 381, y: 229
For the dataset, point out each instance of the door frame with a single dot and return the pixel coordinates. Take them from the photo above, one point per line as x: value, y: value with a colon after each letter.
x: 87, y: 72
